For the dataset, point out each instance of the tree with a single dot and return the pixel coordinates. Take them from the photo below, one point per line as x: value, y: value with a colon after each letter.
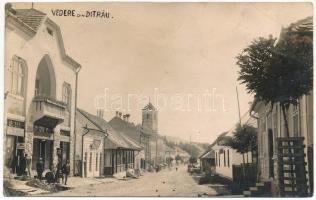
x: 244, y: 140
x: 178, y: 158
x: 192, y: 160
x: 279, y: 73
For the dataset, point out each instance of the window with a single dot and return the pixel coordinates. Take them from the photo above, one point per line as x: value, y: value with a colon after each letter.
x: 50, y: 31
x: 66, y: 94
x: 85, y: 156
x: 215, y: 158
x: 147, y: 116
x: 96, y: 161
x: 295, y: 121
x: 224, y: 158
x: 228, y: 157
x: 16, y: 76
x: 90, y: 162
x: 219, y: 159
x: 100, y: 158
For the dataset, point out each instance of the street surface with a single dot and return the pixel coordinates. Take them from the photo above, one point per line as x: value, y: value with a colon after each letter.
x: 164, y: 183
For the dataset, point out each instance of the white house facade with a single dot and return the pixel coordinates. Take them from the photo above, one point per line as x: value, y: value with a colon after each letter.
x: 40, y: 90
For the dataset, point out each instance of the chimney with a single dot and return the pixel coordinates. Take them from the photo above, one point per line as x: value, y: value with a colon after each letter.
x: 124, y: 117
x: 120, y: 114
x: 100, y: 113
x: 127, y: 117
x: 116, y: 113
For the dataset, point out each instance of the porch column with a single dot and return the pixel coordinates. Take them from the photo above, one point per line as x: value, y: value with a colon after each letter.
x: 56, y: 145
x: 29, y: 135
x: 28, y: 139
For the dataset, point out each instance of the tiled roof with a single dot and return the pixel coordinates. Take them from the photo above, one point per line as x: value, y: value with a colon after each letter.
x: 115, y: 139
x: 224, y: 137
x: 208, y: 154
x: 149, y: 106
x: 31, y: 17
x: 125, y: 127
x: 302, y: 25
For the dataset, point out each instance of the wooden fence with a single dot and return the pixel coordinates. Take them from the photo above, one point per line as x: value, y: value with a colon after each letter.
x: 244, y: 178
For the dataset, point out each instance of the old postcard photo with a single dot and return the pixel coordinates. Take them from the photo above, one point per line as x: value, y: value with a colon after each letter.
x: 158, y: 99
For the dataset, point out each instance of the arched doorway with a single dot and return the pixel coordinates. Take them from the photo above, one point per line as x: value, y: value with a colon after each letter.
x: 47, y: 113
x: 45, y: 83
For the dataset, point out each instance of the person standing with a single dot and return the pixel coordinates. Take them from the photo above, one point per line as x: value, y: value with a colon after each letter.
x: 39, y: 168
x: 28, y: 164
x: 22, y: 167
x: 66, y: 171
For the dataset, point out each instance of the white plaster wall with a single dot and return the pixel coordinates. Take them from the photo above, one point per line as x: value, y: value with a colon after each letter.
x: 234, y: 159
x: 32, y: 50
x: 88, y: 140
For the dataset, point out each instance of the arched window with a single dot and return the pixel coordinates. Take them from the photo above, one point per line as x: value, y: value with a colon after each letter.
x: 16, y: 76
x: 66, y: 94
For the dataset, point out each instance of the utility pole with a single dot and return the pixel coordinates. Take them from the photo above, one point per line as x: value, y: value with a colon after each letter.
x: 238, y: 106
x: 156, y: 158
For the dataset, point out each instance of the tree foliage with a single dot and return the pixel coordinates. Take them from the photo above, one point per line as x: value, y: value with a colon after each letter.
x: 193, y: 160
x: 178, y: 158
x: 192, y: 149
x: 244, y: 139
x: 278, y: 73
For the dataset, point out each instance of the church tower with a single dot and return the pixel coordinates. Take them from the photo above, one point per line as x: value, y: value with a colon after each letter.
x: 150, y: 118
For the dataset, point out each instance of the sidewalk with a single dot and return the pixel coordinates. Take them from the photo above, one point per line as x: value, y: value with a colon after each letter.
x: 20, y: 186
x: 74, y: 182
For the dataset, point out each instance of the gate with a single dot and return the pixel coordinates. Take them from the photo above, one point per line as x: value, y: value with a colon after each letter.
x: 291, y: 164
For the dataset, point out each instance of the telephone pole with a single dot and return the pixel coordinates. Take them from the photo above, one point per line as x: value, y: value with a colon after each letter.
x: 238, y: 106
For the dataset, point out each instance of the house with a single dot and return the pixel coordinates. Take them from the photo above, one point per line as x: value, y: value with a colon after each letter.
x: 90, y: 146
x: 40, y: 91
x: 225, y: 156
x: 185, y: 156
x: 271, y: 138
x: 170, y: 155
x: 122, y: 124
x: 207, y: 161
x: 118, y: 153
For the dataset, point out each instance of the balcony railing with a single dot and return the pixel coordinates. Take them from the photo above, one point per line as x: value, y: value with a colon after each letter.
x: 48, y: 112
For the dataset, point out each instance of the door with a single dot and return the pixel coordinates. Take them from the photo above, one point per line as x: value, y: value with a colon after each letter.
x: 270, y: 148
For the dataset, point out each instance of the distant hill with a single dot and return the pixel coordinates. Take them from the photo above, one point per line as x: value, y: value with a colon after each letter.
x: 175, y: 140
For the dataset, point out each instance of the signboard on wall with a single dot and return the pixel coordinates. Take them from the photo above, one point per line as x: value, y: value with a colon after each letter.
x: 20, y: 145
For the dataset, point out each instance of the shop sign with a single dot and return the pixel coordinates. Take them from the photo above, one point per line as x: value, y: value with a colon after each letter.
x: 42, y: 129
x: 20, y: 145
x: 15, y: 124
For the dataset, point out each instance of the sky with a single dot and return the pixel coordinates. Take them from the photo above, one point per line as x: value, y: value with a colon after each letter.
x: 180, y: 56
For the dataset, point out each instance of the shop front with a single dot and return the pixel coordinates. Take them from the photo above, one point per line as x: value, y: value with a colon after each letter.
x: 14, y: 145
x: 64, y: 146
x: 43, y: 147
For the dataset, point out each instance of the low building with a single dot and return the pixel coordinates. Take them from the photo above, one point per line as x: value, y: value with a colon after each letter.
x: 207, y: 161
x: 122, y: 124
x: 225, y: 156
x: 90, y: 146
x: 184, y: 156
x: 118, y: 151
